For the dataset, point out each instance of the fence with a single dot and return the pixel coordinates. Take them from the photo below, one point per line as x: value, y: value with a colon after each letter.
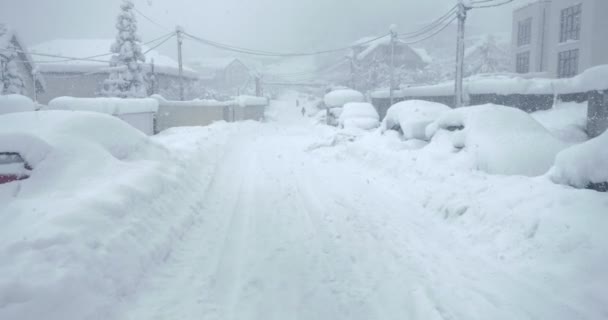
x: 204, y: 112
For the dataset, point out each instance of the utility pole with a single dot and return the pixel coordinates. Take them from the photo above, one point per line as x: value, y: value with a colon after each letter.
x: 352, y: 71
x: 462, y: 17
x: 178, y: 32
x: 392, y: 67
x: 258, y: 86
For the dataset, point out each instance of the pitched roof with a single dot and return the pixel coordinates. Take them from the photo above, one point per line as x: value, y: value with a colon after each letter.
x: 209, y: 67
x: 92, y: 48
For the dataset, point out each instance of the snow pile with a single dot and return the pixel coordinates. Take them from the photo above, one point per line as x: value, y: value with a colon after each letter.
x: 103, y: 207
x: 360, y: 115
x: 251, y: 101
x: 337, y: 98
x: 499, y: 139
x: 15, y: 103
x: 567, y: 121
x: 112, y: 106
x: 583, y: 164
x: 412, y: 117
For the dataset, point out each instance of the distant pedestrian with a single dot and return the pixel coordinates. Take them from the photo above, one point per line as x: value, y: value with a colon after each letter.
x: 303, y: 111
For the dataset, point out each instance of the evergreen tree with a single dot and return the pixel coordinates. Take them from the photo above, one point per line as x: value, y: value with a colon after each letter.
x: 488, y: 57
x: 11, y: 82
x: 127, y: 78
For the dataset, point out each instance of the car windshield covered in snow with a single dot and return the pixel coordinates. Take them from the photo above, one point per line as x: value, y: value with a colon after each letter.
x: 314, y: 160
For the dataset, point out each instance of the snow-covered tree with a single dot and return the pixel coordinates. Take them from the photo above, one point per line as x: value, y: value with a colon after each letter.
x: 127, y: 78
x: 11, y: 81
x: 487, y: 57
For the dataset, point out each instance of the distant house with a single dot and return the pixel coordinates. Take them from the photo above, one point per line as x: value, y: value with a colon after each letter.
x: 11, y: 44
x: 225, y: 75
x: 372, y: 58
x: 560, y: 38
x: 84, y: 77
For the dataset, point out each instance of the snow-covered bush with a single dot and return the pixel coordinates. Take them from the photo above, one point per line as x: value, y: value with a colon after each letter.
x: 337, y: 98
x: 412, y: 117
x: 583, y: 164
x: 500, y: 139
x: 360, y: 115
x: 16, y: 103
x: 127, y: 78
x: 10, y: 81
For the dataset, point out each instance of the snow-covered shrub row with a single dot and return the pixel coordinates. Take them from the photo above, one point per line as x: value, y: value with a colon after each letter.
x: 499, y: 139
x: 411, y: 117
x: 112, y: 106
x: 337, y: 98
x: 583, y: 164
x: 104, y: 204
x: 15, y: 103
x: 359, y: 115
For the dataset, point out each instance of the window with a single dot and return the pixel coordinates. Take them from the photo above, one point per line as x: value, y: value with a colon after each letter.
x: 567, y: 63
x: 570, y: 23
x: 522, y: 64
x: 524, y: 32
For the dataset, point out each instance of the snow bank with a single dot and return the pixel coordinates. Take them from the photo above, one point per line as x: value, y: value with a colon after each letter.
x: 499, y: 139
x: 338, y: 98
x: 582, y: 164
x: 412, y: 117
x: 15, y: 103
x: 361, y: 115
x: 567, y: 121
x: 113, y: 106
x: 104, y: 206
x: 251, y: 101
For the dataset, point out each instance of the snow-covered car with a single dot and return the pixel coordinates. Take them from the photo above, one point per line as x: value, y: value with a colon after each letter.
x: 335, y: 100
x: 500, y: 139
x: 411, y: 117
x: 15, y: 103
x: 583, y: 165
x: 13, y: 167
x: 359, y: 115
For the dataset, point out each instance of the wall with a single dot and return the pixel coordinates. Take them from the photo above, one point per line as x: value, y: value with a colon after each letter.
x: 538, y: 11
x: 143, y: 122
x: 72, y: 85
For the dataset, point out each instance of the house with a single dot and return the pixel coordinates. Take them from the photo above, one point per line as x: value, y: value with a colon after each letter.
x: 229, y: 76
x: 559, y: 38
x: 12, y: 49
x: 84, y: 77
x: 371, y: 59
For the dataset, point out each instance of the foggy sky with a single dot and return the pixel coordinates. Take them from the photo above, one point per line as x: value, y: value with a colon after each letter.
x: 277, y: 25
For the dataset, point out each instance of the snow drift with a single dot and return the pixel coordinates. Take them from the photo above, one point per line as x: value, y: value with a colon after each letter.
x: 337, y: 98
x: 499, y: 139
x: 113, y: 106
x: 15, y: 103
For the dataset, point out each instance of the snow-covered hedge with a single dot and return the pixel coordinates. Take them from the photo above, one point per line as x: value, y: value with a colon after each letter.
x: 500, y: 139
x: 359, y: 115
x: 583, y: 164
x: 15, y: 103
x: 412, y: 117
x: 113, y: 106
x: 338, y: 98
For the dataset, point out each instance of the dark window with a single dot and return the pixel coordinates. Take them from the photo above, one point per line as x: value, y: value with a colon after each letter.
x: 522, y: 64
x: 567, y: 63
x: 570, y: 23
x: 524, y: 32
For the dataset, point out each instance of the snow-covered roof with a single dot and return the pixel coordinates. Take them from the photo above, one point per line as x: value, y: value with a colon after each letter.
x: 424, y: 55
x: 209, y: 67
x: 92, y: 48
x: 370, y: 45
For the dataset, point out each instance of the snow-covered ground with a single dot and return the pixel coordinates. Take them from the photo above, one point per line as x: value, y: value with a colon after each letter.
x: 290, y: 220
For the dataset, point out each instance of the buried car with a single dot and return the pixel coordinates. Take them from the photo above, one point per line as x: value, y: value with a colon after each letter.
x: 13, y: 167
x: 411, y: 117
x: 359, y: 115
x: 500, y: 139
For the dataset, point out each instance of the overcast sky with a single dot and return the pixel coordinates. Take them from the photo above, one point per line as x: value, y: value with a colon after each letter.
x: 278, y: 25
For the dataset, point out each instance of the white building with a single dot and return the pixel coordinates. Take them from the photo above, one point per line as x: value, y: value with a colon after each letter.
x: 84, y: 78
x: 560, y: 38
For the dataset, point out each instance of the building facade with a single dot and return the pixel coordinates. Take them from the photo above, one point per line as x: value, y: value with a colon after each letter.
x: 559, y: 38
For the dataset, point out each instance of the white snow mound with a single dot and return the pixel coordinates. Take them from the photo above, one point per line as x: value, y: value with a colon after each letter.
x: 359, y: 115
x: 412, y: 117
x: 338, y: 98
x: 15, y: 103
x: 500, y: 139
x: 582, y: 164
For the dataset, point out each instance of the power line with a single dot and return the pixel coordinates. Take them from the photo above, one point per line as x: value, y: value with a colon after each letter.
x: 436, y: 32
x: 432, y: 25
x: 493, y: 5
x: 150, y: 19
x: 161, y: 43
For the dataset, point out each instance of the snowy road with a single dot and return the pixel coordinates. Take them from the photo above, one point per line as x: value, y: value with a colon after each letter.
x: 285, y: 233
